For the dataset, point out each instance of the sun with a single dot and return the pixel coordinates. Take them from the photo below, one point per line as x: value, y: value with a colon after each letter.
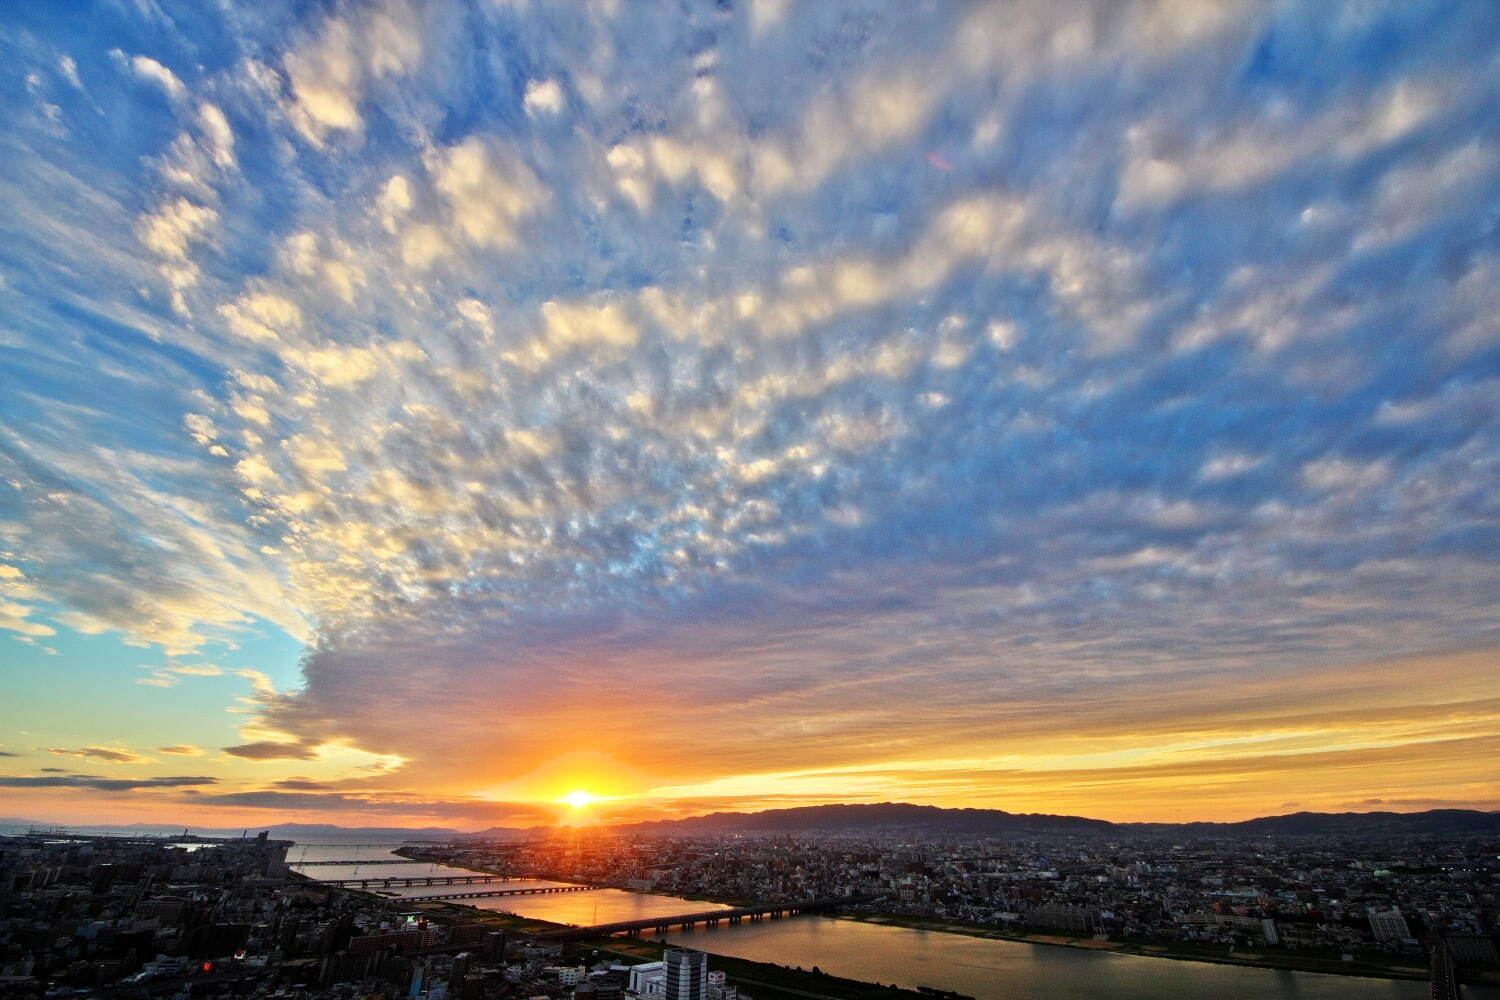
x: 578, y: 798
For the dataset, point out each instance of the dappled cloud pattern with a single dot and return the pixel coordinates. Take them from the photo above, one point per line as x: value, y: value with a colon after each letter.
x: 1051, y: 406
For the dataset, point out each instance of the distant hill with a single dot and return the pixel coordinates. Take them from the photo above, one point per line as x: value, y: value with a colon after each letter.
x: 1429, y: 823
x: 897, y: 817
x: 886, y: 818
x: 883, y: 817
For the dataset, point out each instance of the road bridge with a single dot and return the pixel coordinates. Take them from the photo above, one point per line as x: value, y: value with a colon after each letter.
x: 709, y: 918
x: 359, y: 862
x: 540, y: 890
x: 391, y: 881
x: 1444, y: 973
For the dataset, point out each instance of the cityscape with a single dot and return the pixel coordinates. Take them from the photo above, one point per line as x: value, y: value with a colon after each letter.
x: 116, y: 915
x: 750, y: 499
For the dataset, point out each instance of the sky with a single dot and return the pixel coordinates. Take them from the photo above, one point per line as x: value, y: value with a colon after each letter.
x: 415, y: 412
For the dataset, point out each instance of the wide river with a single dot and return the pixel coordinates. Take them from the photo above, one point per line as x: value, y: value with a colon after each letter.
x: 982, y: 968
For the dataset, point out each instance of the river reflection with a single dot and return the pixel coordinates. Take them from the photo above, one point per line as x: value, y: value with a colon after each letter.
x: 602, y: 906
x: 1010, y: 970
x: 982, y: 968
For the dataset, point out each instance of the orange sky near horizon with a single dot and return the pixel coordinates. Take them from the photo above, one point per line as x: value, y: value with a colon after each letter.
x: 1252, y: 746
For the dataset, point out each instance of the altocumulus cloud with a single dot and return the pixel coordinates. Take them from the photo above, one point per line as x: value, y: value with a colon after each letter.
x: 860, y: 373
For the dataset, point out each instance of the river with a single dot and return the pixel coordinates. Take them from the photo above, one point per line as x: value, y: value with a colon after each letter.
x: 983, y: 968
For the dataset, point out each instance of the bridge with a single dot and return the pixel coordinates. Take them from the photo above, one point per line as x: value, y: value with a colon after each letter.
x: 391, y: 881
x: 540, y: 890
x: 709, y: 918
x: 358, y: 863
x: 1444, y: 972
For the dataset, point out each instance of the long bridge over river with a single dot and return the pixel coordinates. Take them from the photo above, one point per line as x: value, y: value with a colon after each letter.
x: 391, y: 881
x: 709, y: 918
x: 535, y: 890
x: 359, y: 863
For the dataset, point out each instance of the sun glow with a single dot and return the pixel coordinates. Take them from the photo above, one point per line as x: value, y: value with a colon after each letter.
x: 578, y: 798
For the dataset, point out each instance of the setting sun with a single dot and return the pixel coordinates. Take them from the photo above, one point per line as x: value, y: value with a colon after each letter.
x: 579, y: 798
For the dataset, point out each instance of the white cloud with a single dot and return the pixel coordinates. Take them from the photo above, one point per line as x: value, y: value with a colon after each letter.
x: 490, y: 191
x: 69, y: 68
x: 173, y: 228
x: 262, y: 316
x: 1228, y: 466
x: 543, y: 97
x: 1163, y: 164
x: 329, y: 74
x: 218, y: 133
x: 150, y: 70
x: 1339, y: 474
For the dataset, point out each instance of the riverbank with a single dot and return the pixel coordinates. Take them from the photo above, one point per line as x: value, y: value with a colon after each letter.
x: 1286, y: 962
x: 1403, y: 968
x: 1406, y: 968
x: 762, y: 980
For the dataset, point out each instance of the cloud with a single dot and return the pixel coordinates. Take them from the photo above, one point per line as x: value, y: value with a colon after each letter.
x: 13, y: 617
x: 660, y: 363
x: 171, y: 675
x: 195, y: 669
x: 160, y: 679
x: 219, y: 135
x: 544, y: 97
x: 69, y: 68
x: 490, y: 191
x: 470, y: 810
x: 150, y: 70
x: 328, y: 74
x: 272, y: 750
x: 112, y: 755
x: 103, y: 784
x: 181, y: 750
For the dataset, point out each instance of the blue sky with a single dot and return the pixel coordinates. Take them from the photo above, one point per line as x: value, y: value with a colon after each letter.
x: 1076, y: 406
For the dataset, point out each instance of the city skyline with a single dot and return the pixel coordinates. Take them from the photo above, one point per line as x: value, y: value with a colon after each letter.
x: 469, y: 414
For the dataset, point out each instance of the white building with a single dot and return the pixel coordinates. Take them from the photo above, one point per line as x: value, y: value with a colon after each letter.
x: 648, y: 979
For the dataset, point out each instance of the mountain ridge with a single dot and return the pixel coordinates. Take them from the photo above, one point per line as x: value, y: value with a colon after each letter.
x: 889, y: 817
x: 974, y: 821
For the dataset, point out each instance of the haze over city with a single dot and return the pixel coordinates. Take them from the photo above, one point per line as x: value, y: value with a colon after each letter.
x: 505, y: 413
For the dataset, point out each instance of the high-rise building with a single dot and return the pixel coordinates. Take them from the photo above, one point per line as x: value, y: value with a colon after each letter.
x: 687, y: 974
x: 1389, y: 925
